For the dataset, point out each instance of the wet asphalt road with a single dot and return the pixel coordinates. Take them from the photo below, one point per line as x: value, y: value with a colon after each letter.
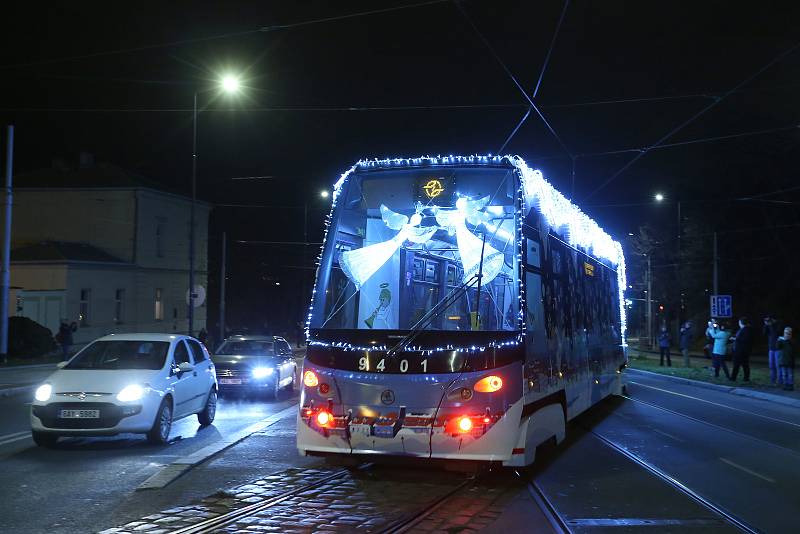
x: 741, y: 454
x: 67, y: 488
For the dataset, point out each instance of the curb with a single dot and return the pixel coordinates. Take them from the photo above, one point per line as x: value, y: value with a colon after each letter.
x: 743, y: 392
x: 174, y: 470
x: 7, y: 392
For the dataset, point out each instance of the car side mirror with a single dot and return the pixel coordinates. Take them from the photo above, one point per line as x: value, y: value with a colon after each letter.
x: 185, y: 367
x: 61, y: 365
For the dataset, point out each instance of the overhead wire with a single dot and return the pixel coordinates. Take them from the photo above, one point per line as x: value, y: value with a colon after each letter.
x: 694, y: 117
x: 513, y: 78
x: 181, y: 42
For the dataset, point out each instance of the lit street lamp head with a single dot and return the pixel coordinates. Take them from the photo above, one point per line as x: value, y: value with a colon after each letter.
x: 324, y: 194
x: 230, y: 84
x: 659, y: 197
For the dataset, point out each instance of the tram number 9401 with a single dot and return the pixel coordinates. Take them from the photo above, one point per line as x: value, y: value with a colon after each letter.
x: 402, y: 366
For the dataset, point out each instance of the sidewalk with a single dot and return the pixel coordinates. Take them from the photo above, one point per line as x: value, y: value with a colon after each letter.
x: 23, y: 378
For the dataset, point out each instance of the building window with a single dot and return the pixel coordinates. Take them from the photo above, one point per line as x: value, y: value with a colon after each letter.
x: 119, y: 306
x: 161, y: 228
x: 159, y: 311
x: 83, y: 308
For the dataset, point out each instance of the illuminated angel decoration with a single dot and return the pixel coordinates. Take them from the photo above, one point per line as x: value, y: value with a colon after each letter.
x: 360, y: 264
x: 469, y: 245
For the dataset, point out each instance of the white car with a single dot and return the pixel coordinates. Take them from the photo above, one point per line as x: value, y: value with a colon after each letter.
x: 121, y: 383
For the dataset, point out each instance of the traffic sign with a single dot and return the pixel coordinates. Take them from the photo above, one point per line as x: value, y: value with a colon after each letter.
x: 722, y: 306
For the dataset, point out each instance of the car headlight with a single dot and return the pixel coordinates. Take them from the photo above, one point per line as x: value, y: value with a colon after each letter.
x: 133, y: 392
x: 261, y: 372
x: 43, y: 392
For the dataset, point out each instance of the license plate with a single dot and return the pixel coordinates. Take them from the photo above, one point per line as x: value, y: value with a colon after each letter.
x: 230, y: 380
x: 79, y: 414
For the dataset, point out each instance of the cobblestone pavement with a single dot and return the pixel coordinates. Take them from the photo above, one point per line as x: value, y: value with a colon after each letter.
x: 367, y: 500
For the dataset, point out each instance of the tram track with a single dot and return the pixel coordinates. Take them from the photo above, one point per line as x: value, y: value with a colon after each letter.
x: 557, y: 523
x: 213, y: 524
x: 675, y: 483
x: 407, y: 523
x: 712, y: 425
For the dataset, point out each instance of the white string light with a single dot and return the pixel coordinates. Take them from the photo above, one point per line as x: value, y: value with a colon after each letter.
x: 565, y: 218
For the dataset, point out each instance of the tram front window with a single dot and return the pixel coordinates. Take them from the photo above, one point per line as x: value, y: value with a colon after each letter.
x: 402, y: 241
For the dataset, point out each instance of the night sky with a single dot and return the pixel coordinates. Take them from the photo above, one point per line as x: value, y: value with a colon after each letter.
x: 423, y: 82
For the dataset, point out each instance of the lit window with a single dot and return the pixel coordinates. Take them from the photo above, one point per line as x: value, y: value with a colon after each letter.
x: 83, y: 308
x: 159, y: 305
x: 119, y: 306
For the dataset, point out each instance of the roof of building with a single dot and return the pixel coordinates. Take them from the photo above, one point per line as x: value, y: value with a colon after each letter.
x: 61, y: 252
x: 92, y: 174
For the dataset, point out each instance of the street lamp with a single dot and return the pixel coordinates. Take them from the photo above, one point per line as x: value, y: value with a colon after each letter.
x: 230, y: 85
x: 324, y: 193
x: 659, y: 197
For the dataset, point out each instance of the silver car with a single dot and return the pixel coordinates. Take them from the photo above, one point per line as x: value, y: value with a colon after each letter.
x: 255, y: 364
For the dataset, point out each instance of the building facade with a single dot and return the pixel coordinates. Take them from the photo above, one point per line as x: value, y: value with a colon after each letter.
x: 111, y: 259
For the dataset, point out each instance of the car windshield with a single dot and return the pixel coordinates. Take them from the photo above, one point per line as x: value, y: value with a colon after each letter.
x: 247, y: 348
x: 121, y: 355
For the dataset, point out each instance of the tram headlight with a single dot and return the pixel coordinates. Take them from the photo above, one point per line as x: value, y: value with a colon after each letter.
x: 310, y: 379
x: 489, y: 384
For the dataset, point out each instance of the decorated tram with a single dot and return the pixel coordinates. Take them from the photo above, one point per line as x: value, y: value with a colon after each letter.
x: 463, y: 309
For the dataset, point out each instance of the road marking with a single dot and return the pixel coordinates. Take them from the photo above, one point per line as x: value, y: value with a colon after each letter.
x: 669, y: 435
x: 718, y: 404
x: 746, y: 470
x: 14, y: 434
x: 172, y: 471
x: 24, y: 435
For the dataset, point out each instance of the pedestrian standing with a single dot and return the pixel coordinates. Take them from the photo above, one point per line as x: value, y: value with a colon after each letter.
x: 786, y: 353
x: 663, y: 345
x: 742, y: 347
x: 720, y: 335
x: 685, y: 342
x: 64, y: 337
x: 772, y: 332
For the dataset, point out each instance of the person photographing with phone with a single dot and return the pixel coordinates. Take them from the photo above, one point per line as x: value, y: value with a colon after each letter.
x: 721, y: 336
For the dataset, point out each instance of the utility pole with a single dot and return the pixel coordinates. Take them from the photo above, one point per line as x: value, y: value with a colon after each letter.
x: 190, y: 310
x: 223, y: 275
x: 6, y: 249
x: 716, y: 266
x: 649, y: 304
x: 678, y: 270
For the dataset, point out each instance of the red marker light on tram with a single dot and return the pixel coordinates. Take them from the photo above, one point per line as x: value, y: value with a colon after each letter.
x: 490, y: 384
x: 465, y: 424
x: 310, y: 379
x: 324, y: 388
x: 324, y: 418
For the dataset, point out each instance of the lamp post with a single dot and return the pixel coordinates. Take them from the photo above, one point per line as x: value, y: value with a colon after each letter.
x: 229, y: 84
x: 659, y: 197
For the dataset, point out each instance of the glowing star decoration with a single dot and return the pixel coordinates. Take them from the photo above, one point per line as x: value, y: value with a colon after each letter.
x: 433, y: 188
x: 470, y: 246
x: 360, y: 264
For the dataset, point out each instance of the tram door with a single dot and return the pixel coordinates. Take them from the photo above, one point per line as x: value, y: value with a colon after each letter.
x: 427, y: 280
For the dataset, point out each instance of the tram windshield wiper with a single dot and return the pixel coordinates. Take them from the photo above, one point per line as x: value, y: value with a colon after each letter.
x: 434, y: 313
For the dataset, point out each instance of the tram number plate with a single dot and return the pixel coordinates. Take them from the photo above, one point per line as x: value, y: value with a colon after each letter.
x: 384, y: 431
x: 79, y: 414
x: 230, y: 381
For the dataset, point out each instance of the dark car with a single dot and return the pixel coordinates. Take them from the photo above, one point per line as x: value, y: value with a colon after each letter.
x: 255, y: 364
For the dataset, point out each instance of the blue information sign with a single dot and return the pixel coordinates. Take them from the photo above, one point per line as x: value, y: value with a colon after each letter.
x: 722, y: 306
